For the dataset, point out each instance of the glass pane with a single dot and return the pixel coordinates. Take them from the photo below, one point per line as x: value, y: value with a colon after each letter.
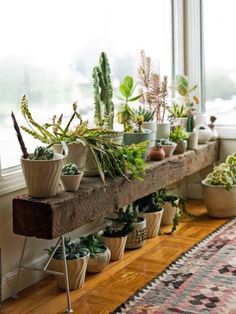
x: 49, y: 47
x: 220, y: 61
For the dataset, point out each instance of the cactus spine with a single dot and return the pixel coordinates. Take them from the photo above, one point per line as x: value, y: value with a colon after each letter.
x: 190, y: 123
x: 103, y: 92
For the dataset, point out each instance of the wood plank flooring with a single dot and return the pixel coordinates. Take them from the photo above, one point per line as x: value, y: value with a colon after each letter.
x: 103, y: 292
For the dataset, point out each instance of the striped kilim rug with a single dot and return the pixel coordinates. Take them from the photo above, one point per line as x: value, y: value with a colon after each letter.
x: 202, y: 280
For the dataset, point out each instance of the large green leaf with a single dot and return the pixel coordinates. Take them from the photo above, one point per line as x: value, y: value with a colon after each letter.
x: 125, y: 91
x: 129, y: 82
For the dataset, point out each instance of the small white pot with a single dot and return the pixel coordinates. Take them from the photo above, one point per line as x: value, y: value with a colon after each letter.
x: 168, y: 214
x: 153, y: 221
x: 204, y: 135
x: 97, y: 263
x: 70, y: 183
x: 116, y: 246
x: 137, y: 237
x: 193, y: 140
x: 219, y: 202
x: 163, y: 130
x: 42, y: 176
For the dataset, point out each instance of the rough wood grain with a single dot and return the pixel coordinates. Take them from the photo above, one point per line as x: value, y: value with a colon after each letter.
x: 50, y: 218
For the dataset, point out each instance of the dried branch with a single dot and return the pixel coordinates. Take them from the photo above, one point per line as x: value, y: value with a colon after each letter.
x: 19, y: 136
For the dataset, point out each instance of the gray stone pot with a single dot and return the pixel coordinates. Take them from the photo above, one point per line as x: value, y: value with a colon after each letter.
x: 181, y: 147
x: 219, y: 202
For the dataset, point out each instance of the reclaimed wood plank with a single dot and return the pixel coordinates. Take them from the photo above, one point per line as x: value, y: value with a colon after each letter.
x: 50, y: 218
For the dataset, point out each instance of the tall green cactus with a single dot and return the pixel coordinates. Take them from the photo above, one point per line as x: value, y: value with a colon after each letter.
x: 190, y: 123
x: 103, y: 92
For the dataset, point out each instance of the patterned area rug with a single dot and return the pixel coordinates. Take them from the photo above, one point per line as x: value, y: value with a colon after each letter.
x: 202, y: 280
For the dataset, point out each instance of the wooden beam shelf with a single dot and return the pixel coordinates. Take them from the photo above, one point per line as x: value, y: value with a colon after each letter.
x: 53, y: 217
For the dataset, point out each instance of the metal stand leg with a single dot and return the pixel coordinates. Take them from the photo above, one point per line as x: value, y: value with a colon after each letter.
x: 14, y: 294
x: 69, y: 309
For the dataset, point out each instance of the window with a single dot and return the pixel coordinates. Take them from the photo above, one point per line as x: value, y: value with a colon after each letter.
x: 219, y: 24
x: 49, y: 47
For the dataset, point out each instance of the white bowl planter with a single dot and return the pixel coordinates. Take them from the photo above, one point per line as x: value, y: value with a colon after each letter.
x: 76, y: 271
x: 137, y: 237
x: 116, y: 246
x: 71, y: 183
x: 168, y: 214
x: 219, y: 202
x: 169, y: 149
x: 153, y: 221
x: 42, y: 176
x: 204, y: 135
x: 98, y: 262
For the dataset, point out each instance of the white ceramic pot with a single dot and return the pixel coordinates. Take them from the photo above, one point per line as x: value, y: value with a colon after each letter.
x: 204, y: 135
x: 169, y: 149
x: 76, y: 272
x: 193, y: 140
x: 163, y: 130
x: 70, y: 183
x: 151, y: 125
x: 137, y: 237
x: 181, y: 147
x: 42, y: 176
x: 116, y: 246
x: 97, y: 263
x: 153, y: 221
x: 219, y: 202
x: 168, y: 214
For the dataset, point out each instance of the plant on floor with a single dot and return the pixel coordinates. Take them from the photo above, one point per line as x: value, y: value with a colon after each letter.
x: 125, y: 113
x: 103, y: 92
x: 148, y: 204
x: 73, y: 250
x: 70, y: 169
x: 224, y: 174
x: 178, y: 135
x: 117, y: 233
x: 94, y: 244
x: 42, y: 153
x: 127, y: 216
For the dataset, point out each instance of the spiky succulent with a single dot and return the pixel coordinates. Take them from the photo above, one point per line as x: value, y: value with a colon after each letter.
x: 42, y: 153
x: 70, y: 169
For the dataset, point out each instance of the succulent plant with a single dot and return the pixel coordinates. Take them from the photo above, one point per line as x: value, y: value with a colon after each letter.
x: 117, y: 233
x: 148, y: 115
x: 148, y: 204
x: 70, y: 169
x: 178, y: 135
x: 93, y: 243
x: 42, y: 153
x: 166, y: 142
x: 190, y: 123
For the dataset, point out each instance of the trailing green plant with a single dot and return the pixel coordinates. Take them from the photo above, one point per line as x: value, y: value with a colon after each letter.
x: 178, y: 135
x: 103, y: 93
x: 117, y: 233
x: 190, y: 123
x: 162, y: 196
x: 148, y: 115
x: 148, y: 204
x: 70, y: 169
x: 224, y: 174
x: 41, y: 153
x: 94, y: 244
x: 73, y: 250
x: 125, y: 114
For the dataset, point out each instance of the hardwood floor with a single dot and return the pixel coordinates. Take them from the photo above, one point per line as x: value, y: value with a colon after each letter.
x: 103, y: 292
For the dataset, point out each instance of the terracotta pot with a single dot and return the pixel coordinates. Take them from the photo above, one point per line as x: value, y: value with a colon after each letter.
x: 163, y: 130
x: 70, y: 183
x: 204, y: 135
x: 98, y: 262
x: 181, y: 147
x: 42, y: 176
x: 169, y: 149
x: 168, y: 214
x: 156, y: 153
x: 193, y: 140
x: 76, y: 272
x: 137, y: 237
x: 116, y: 246
x: 219, y: 202
x: 153, y: 221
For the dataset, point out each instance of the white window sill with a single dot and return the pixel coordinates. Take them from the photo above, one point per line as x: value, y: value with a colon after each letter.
x: 226, y: 132
x: 11, y: 182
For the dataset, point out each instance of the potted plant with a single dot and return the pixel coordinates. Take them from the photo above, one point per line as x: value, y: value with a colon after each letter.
x: 204, y: 134
x: 157, y: 152
x: 192, y: 133
x: 115, y: 239
x: 131, y: 216
x: 170, y: 204
x: 99, y: 254
x: 179, y: 136
x: 77, y: 260
x: 71, y: 177
x: 219, y: 189
x: 152, y: 212
x: 168, y: 146
x: 127, y: 116
x: 154, y: 94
